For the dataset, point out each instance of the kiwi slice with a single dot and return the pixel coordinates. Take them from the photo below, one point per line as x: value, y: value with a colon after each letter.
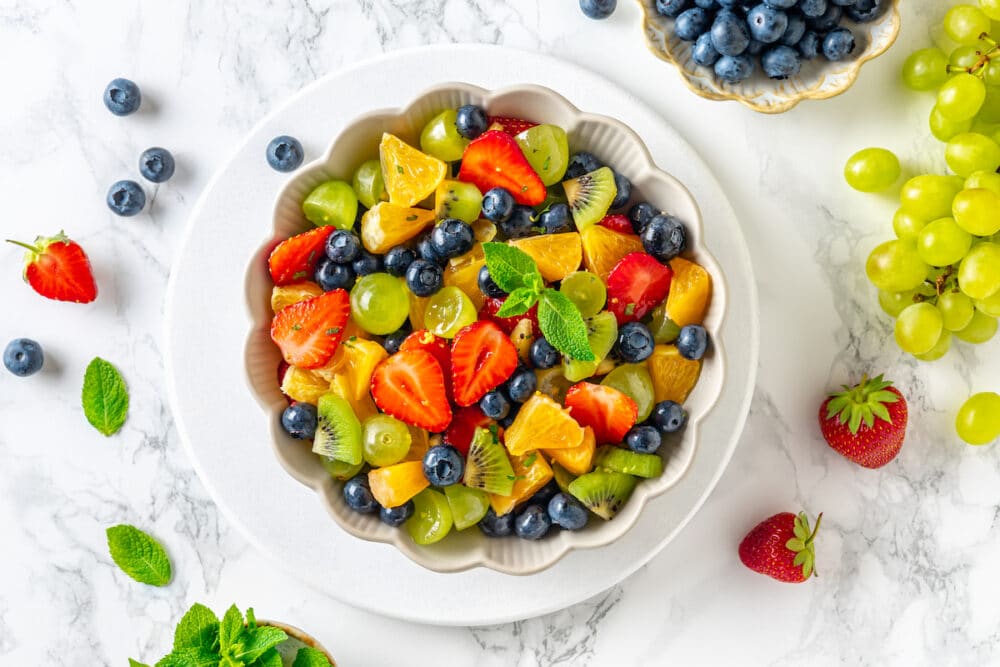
x: 590, y: 196
x: 468, y: 506
x: 338, y: 431
x: 602, y: 331
x: 455, y: 199
x: 664, y: 329
x: 603, y: 492
x: 617, y: 459
x: 339, y: 470
x: 563, y: 477
x: 487, y: 466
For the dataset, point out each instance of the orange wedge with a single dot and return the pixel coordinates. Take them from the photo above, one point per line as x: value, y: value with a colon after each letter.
x: 387, y: 225
x: 542, y: 424
x: 532, y: 472
x: 690, y: 292
x: 393, y: 485
x: 603, y: 248
x: 418, y: 306
x: 577, y: 460
x: 673, y: 376
x: 410, y: 176
x: 356, y: 361
x: 466, y: 278
x: 284, y: 296
x: 304, y: 386
x: 557, y: 255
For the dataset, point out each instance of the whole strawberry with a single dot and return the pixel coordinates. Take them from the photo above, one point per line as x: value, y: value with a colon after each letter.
x: 866, y: 423
x: 781, y: 547
x: 57, y: 268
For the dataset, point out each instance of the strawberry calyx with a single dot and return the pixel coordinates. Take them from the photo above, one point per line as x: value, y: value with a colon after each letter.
x: 862, y: 403
x: 42, y: 244
x: 803, y: 544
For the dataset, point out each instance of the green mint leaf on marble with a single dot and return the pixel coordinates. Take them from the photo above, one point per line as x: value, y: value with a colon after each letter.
x: 136, y: 663
x: 198, y: 629
x: 105, y: 397
x: 518, y: 302
x: 310, y: 657
x: 563, y: 326
x: 271, y: 658
x: 139, y: 555
x: 255, y: 643
x: 190, y: 657
x: 511, y: 268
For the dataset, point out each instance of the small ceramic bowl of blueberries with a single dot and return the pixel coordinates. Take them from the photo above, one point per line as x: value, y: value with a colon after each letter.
x: 770, y: 54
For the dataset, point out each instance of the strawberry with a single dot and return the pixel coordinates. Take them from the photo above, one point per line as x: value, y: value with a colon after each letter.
x: 58, y: 269
x: 608, y: 411
x: 511, y: 126
x: 781, y: 547
x: 489, y: 312
x: 866, y: 423
x: 308, y: 332
x: 482, y: 357
x: 295, y: 259
x: 636, y: 285
x: 438, y: 347
x: 495, y: 160
x: 409, y: 385
x: 617, y: 222
x: 463, y: 426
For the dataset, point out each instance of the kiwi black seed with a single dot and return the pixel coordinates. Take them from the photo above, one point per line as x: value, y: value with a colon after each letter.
x: 603, y: 492
x: 487, y: 466
x: 590, y: 196
x: 338, y: 431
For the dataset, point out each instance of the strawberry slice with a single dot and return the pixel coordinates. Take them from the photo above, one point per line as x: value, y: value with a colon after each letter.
x: 58, y: 269
x: 295, y: 259
x: 510, y: 125
x: 409, y: 385
x: 495, y: 160
x: 482, y: 357
x: 489, y: 312
x: 308, y: 332
x: 617, y: 222
x: 463, y: 426
x: 636, y: 285
x: 605, y: 409
x: 422, y: 339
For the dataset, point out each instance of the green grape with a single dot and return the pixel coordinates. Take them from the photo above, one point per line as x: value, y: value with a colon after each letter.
x: 664, y: 329
x: 956, y: 309
x: 872, y: 170
x: 944, y: 128
x: 965, y: 57
x: 979, y: 272
x: 990, y: 113
x: 991, y: 74
x: 991, y: 8
x: 980, y: 126
x: 990, y: 305
x: 432, y: 519
x: 331, y: 203
x: 634, y: 381
x: 369, y: 185
x: 441, y: 139
x: 919, y: 328
x: 586, y: 291
x: 929, y: 196
x: 340, y: 470
x: 981, y: 329
x: 939, y: 350
x: 380, y: 303
x: 965, y: 24
x: 983, y: 179
x: 895, y: 266
x: 893, y: 303
x: 943, y: 242
x: 385, y: 440
x: 970, y: 152
x: 906, y: 225
x: 547, y: 151
x: 977, y: 211
x: 961, y: 96
x: 925, y: 69
x: 978, y: 420
x: 448, y: 311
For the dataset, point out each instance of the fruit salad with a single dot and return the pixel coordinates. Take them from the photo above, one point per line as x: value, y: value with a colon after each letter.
x: 486, y: 329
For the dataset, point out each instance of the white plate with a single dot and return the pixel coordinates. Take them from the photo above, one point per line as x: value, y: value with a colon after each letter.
x: 205, y: 330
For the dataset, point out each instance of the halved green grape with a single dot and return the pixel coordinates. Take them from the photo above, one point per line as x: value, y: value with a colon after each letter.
x: 970, y: 152
x: 979, y: 272
x: 893, y: 303
x: 664, y: 329
x: 586, y: 291
x: 907, y: 225
x: 966, y: 23
x: 939, y: 350
x: 925, y: 69
x: 990, y: 305
x: 944, y: 128
x: 978, y: 420
x: 929, y: 196
x: 467, y: 505
x: 872, y: 170
x: 602, y: 332
x: 895, y: 266
x: 634, y: 381
x: 986, y: 180
x: 956, y: 309
x: 547, y: 151
x: 981, y: 329
x: 385, y: 440
x: 943, y: 242
x: 431, y: 520
x: 331, y: 203
x: 380, y: 303
x: 441, y: 139
x: 448, y: 311
x: 339, y: 470
x: 369, y: 185
x: 977, y: 211
x: 961, y: 96
x: 918, y: 328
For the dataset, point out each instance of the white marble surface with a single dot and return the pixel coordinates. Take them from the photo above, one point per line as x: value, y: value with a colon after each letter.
x: 908, y: 554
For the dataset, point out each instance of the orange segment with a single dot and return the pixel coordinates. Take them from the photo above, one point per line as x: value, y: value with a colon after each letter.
x: 690, y: 292
x: 532, y: 473
x: 410, y: 176
x: 393, y: 485
x: 577, y: 460
x: 418, y: 306
x: 284, y: 296
x: 387, y: 225
x: 557, y: 255
x: 355, y: 360
x: 542, y: 424
x: 305, y: 386
x: 419, y: 444
x: 363, y: 407
x: 673, y: 376
x: 603, y: 248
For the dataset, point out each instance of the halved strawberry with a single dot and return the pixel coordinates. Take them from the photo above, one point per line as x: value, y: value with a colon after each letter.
x: 482, y: 357
x: 463, y: 426
x: 495, y: 160
x: 57, y: 268
x: 605, y: 409
x: 617, y: 222
x: 409, y: 385
x: 636, y: 285
x: 422, y: 339
x: 295, y: 259
x: 308, y: 332
x: 510, y: 125
x: 489, y: 312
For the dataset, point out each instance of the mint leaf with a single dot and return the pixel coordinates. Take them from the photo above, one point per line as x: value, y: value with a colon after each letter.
x: 256, y: 643
x: 518, y: 302
x: 139, y: 555
x: 229, y: 630
x: 271, y: 658
x: 136, y: 663
x: 563, y: 326
x: 190, y: 657
x: 198, y: 629
x: 310, y: 657
x: 105, y: 397
x: 510, y: 267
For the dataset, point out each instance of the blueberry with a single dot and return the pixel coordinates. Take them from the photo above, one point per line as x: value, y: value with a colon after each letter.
x: 452, y: 238
x: 424, y: 278
x: 23, y: 357
x: 692, y: 342
x: 522, y: 385
x: 521, y: 223
x: 706, y: 4
x: 730, y: 35
x: 487, y: 286
x: 126, y: 198
x: 733, y: 69
x: 566, y: 512
x: 398, y: 260
x: 624, y: 191
x: 781, y: 62
x: 692, y: 23
x: 643, y: 438
x: 545, y: 494
x: 496, y: 526
x: 635, y: 342
x: 767, y: 24
x: 641, y: 214
x: 556, y: 219
x: 795, y: 30
x: 755, y: 48
x: 665, y: 237
x: 426, y: 251
x: 495, y: 404
x: 156, y: 165
x: 509, y: 419
x: 829, y: 20
x: 864, y: 11
x: 443, y: 465
x: 671, y: 8
x: 703, y: 52
x: 598, y: 9
x: 810, y: 45
x: 299, y: 421
x: 838, y: 44
x: 392, y: 342
x: 358, y: 495
x: 845, y: 3
x: 285, y: 153
x: 543, y: 355
x: 498, y: 204
x: 471, y: 121
x: 532, y: 523
x: 582, y: 163
x: 668, y: 416
x: 342, y: 246
x: 330, y: 276
x: 780, y: 4
x: 396, y: 516
x: 122, y: 97
x: 733, y: 4
x: 813, y: 8
x: 367, y: 263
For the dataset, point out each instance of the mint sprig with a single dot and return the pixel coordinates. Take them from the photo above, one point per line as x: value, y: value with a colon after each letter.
x: 563, y: 326
x: 511, y: 268
x: 105, y: 397
x: 139, y: 555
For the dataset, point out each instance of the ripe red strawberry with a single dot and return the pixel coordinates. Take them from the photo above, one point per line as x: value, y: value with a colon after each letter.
x: 636, y: 285
x: 495, y: 160
x: 58, y: 269
x: 409, y: 385
x: 617, y: 222
x: 781, y: 547
x: 482, y: 357
x: 608, y: 411
x: 295, y: 259
x: 510, y: 125
x: 422, y: 339
x: 463, y: 426
x: 308, y: 332
x: 866, y: 423
x: 489, y: 312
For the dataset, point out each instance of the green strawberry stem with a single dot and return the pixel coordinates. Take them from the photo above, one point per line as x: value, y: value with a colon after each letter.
x: 862, y: 403
x: 32, y: 248
x: 802, y: 544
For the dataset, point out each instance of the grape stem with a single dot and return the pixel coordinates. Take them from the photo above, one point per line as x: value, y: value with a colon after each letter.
x: 979, y: 67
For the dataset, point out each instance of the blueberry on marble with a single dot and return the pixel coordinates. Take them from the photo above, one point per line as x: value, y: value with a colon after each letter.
x: 471, y: 121
x: 634, y: 343
x: 23, y: 357
x: 398, y: 260
x: 692, y: 23
x: 443, y: 465
x: 598, y: 9
x: 767, y: 24
x: 487, y: 286
x: 556, y: 219
x: 665, y: 237
x: 781, y: 62
x: 733, y: 69
x: 284, y: 153
x: 452, y: 238
x: 522, y: 385
x: 396, y: 516
x: 496, y: 526
x: 643, y: 438
x: 692, y: 342
x: 330, y: 275
x: 566, y: 512
x: 838, y: 44
x: 122, y: 97
x: 358, y: 495
x: 424, y: 278
x: 704, y: 54
x: 582, y: 163
x: 299, y: 421
x: 126, y: 198
x: 542, y: 354
x: 156, y: 165
x: 730, y: 34
x: 532, y: 523
x: 498, y: 204
x: 495, y: 404
x: 668, y: 417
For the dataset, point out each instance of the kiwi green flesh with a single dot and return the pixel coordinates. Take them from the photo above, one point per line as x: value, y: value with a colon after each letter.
x: 563, y: 477
x: 602, y: 331
x: 603, y: 492
x: 590, y: 196
x: 459, y: 200
x: 487, y: 466
x: 628, y: 462
x: 338, y: 431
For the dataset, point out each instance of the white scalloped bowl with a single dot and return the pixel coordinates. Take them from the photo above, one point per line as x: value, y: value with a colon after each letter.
x: 614, y: 143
